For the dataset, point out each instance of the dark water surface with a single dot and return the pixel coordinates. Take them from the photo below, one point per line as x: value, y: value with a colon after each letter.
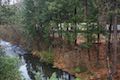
x: 29, y: 65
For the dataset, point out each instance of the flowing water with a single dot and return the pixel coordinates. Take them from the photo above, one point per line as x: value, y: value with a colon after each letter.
x: 29, y: 65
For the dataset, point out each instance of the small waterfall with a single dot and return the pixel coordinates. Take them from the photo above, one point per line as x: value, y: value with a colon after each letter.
x: 23, y: 69
x: 24, y: 73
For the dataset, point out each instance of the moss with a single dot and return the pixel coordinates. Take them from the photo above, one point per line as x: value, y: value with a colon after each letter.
x: 80, y: 69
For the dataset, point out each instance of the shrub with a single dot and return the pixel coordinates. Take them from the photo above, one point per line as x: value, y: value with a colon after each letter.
x: 47, y: 56
x: 1, y: 52
x: 54, y: 77
x: 38, y: 76
x: 9, y: 69
x: 78, y: 79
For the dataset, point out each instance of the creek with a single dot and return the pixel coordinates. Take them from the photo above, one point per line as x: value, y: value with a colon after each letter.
x: 29, y: 64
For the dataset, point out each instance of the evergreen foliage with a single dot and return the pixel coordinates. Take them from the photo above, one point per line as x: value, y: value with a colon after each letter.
x: 8, y: 68
x: 39, y: 15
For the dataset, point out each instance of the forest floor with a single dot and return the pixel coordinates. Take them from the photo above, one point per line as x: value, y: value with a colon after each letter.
x: 68, y: 60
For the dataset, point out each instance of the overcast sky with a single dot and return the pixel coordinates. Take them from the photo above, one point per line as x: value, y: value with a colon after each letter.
x: 12, y: 1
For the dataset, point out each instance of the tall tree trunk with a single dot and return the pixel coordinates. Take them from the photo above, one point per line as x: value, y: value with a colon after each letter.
x: 115, y: 44
x: 108, y: 54
x: 98, y: 47
x: 85, y: 9
x: 115, y: 41
x: 61, y: 35
x: 75, y: 29
x: 109, y: 38
x: 85, y: 19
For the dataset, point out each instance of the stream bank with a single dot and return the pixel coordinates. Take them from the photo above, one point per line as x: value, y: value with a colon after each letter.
x: 30, y: 64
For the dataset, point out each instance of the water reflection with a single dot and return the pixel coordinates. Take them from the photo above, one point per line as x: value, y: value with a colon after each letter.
x: 35, y: 65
